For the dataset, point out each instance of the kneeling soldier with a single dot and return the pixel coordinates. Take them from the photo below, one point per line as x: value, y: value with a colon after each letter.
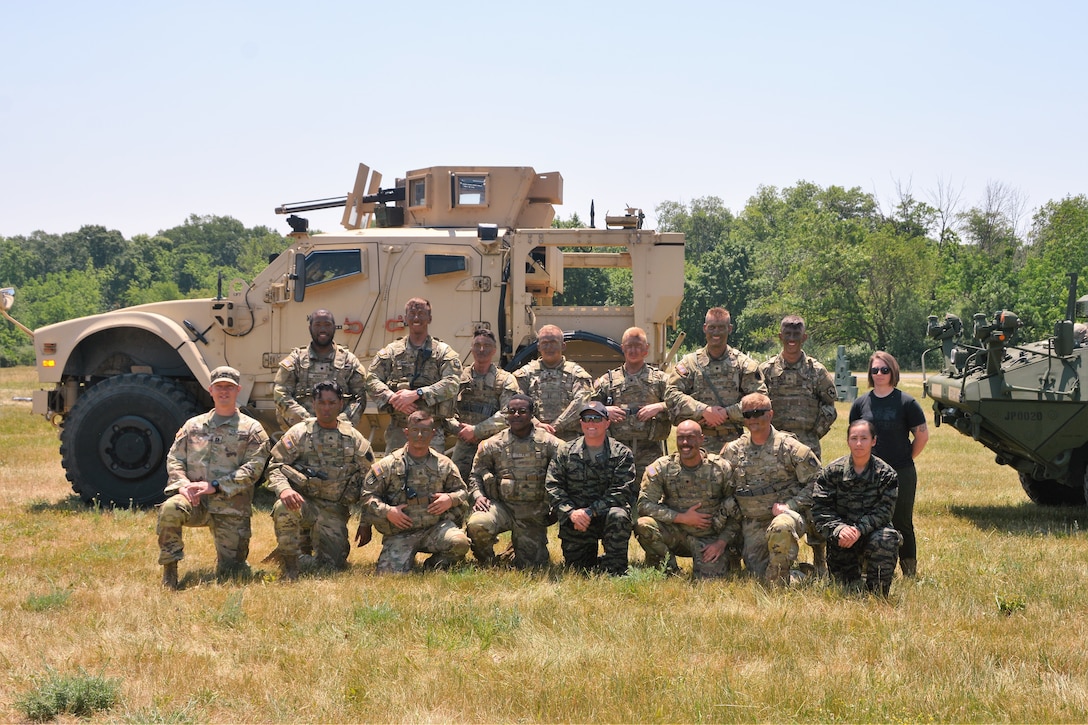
x: 688, y: 508
x: 507, y: 487
x: 316, y: 471
x: 414, y: 497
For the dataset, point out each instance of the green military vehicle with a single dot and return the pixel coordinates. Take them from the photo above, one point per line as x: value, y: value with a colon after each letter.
x: 476, y: 241
x: 1025, y: 402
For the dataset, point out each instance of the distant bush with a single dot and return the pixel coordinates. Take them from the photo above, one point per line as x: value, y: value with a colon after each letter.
x: 80, y: 694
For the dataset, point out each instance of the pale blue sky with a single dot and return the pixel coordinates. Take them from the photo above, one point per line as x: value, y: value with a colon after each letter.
x: 135, y: 115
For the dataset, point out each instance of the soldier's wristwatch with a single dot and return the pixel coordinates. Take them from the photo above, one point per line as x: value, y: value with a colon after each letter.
x: 419, y: 392
x: 215, y: 485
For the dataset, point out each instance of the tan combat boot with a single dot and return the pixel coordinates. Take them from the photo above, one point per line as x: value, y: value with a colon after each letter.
x: 170, y: 575
x: 778, y: 573
x: 290, y: 567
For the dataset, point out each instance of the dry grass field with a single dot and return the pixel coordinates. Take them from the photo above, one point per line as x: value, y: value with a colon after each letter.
x: 994, y: 628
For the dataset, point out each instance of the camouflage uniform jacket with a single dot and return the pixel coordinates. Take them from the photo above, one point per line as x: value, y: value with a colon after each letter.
x: 433, y: 368
x: 512, y: 470
x: 482, y: 399
x: 670, y: 488
x: 803, y: 396
x: 648, y: 386
x: 232, y: 450
x: 703, y: 382
x: 557, y: 392
x: 342, y: 454
x: 304, y: 368
x: 577, y: 481
x: 842, y: 497
x: 782, y: 470
x: 392, y: 480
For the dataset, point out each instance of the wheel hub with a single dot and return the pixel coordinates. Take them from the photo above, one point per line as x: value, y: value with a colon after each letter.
x: 131, y: 447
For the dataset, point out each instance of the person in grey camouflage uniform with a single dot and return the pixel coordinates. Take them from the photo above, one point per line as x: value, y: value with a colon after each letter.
x: 320, y: 360
x: 589, y: 485
x: 507, y: 489
x: 485, y: 391
x: 212, y: 467
x: 415, y: 497
x: 637, y: 397
x: 803, y: 395
x: 557, y: 386
x: 852, y: 503
x: 415, y: 372
x: 316, y: 473
x: 712, y: 380
x: 774, y: 474
x: 686, y: 507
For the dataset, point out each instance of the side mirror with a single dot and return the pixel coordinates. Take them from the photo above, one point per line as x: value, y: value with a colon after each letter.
x: 300, y: 277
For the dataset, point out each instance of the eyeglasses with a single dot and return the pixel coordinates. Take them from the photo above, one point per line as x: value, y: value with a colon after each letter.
x: 518, y: 411
x: 757, y: 413
x: 592, y: 418
x: 883, y: 370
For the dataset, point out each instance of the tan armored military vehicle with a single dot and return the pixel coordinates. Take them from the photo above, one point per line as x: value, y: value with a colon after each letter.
x: 476, y: 241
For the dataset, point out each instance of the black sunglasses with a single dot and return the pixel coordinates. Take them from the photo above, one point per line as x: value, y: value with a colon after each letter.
x: 883, y: 370
x: 757, y: 413
x: 592, y: 418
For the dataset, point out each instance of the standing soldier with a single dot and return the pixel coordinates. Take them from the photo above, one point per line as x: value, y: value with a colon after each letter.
x: 635, y: 395
x: 316, y: 472
x: 589, y: 484
x: 320, y: 360
x: 686, y: 507
x: 485, y: 391
x: 414, y: 496
x: 712, y: 381
x: 416, y: 372
x: 774, y: 473
x: 803, y: 394
x: 852, y: 503
x: 507, y: 488
x: 216, y: 459
x: 557, y: 386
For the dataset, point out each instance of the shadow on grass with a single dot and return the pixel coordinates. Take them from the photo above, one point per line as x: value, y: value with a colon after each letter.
x: 1026, y: 518
x: 263, y: 500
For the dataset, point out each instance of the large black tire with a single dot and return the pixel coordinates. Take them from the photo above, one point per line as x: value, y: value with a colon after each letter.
x: 1049, y: 492
x: 113, y: 445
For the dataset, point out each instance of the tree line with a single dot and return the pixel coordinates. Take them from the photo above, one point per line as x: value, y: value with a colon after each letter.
x: 861, y: 275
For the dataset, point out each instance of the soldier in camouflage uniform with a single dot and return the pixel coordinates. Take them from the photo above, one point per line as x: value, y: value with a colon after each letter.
x: 589, y: 484
x: 636, y: 396
x: 852, y: 504
x: 712, y: 381
x: 216, y: 460
x: 557, y: 386
x: 485, y: 391
x: 774, y: 474
x: 318, y: 361
x: 416, y: 372
x: 415, y: 497
x: 686, y: 507
x: 803, y: 394
x: 507, y: 489
x: 316, y: 472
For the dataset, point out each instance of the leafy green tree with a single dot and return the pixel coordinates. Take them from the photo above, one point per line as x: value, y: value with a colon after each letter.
x: 1058, y: 246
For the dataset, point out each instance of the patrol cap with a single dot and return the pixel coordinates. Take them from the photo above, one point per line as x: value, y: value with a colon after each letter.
x: 225, y: 373
x: 594, y: 406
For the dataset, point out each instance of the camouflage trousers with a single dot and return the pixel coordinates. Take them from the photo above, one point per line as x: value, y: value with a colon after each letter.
x: 879, y: 550
x: 462, y: 456
x: 231, y: 532
x: 612, y: 530
x: 445, y: 540
x: 659, y: 539
x: 324, y: 523
x: 646, y: 452
x: 528, y: 534
x: 772, y: 546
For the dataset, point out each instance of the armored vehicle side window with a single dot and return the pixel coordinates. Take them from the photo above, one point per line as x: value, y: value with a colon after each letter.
x: 470, y: 190
x: 417, y: 192
x: 435, y: 264
x: 327, y: 266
